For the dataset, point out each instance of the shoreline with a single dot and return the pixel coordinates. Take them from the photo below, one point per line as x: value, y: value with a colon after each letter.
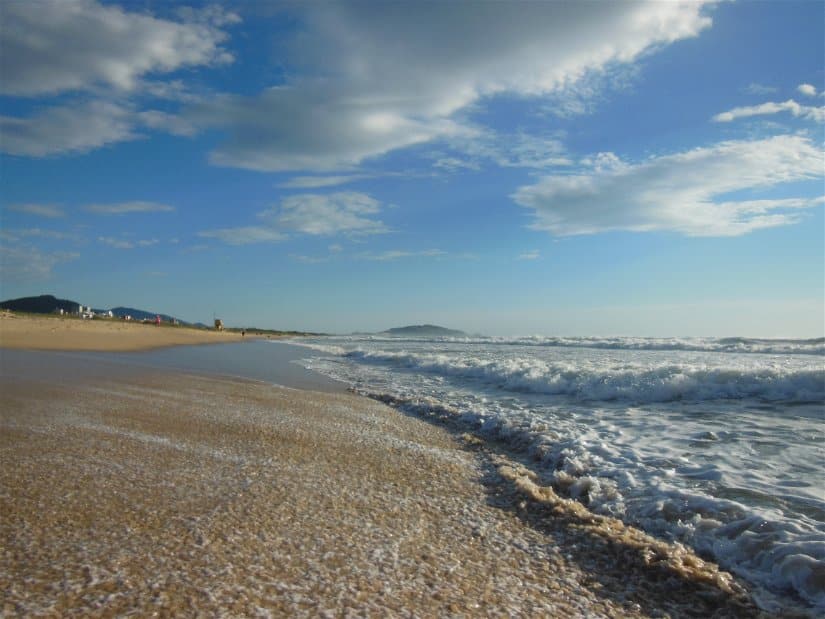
x: 31, y: 332
x: 218, y: 495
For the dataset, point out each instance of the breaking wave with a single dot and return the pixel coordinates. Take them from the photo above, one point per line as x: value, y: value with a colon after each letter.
x: 666, y: 382
x: 737, y: 345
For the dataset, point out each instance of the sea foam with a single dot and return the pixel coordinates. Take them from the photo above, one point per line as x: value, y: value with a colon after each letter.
x: 713, y: 443
x: 662, y: 382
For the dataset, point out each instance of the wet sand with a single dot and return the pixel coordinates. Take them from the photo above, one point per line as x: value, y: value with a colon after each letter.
x: 29, y: 332
x: 173, y: 494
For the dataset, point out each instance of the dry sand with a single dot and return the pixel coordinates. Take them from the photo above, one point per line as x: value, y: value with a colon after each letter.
x: 68, y: 333
x: 171, y: 494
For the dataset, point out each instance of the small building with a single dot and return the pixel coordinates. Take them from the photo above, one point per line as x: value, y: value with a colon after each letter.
x: 218, y: 324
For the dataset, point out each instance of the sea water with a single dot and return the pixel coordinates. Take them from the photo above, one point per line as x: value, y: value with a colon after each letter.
x: 716, y: 443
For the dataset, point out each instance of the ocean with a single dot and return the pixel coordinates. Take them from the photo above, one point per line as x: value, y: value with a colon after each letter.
x: 715, y: 443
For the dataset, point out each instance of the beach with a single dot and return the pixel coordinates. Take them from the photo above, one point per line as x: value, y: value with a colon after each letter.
x: 25, y: 331
x: 130, y: 490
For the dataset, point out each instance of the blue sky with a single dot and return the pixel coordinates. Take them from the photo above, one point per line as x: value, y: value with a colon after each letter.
x: 622, y: 168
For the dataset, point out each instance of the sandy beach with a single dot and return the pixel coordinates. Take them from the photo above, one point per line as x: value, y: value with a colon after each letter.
x: 150, y: 492
x: 24, y: 331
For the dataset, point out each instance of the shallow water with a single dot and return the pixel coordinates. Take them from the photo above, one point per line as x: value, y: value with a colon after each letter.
x: 256, y: 360
x: 718, y: 444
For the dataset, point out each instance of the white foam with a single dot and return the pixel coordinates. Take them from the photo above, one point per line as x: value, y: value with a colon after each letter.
x: 636, y: 382
x: 720, y: 450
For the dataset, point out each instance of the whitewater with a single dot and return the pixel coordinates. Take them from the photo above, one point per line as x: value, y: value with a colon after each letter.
x: 715, y: 443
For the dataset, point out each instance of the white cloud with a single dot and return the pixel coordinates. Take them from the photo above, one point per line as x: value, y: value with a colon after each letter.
x: 309, y: 259
x: 760, y: 89
x: 162, y: 121
x: 79, y: 127
x: 19, y: 233
x: 451, y: 164
x: 26, y: 264
x: 380, y: 77
x: 348, y: 213
x: 807, y: 89
x: 69, y: 128
x: 123, y: 208
x: 530, y: 255
x: 71, y: 45
x: 244, y: 235
x: 801, y: 111
x: 314, y: 182
x: 397, y: 254
x: 679, y: 192
x: 40, y: 210
x: 344, y: 212
x: 125, y: 243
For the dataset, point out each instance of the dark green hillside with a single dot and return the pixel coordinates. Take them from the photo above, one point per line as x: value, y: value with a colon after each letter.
x: 44, y: 304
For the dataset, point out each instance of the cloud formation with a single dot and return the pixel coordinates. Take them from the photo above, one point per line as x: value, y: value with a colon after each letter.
x: 347, y: 212
x: 79, y: 127
x: 679, y: 192
x: 124, y: 208
x: 25, y: 264
x: 397, y: 254
x: 244, y: 235
x: 73, y: 45
x: 361, y: 96
x: 315, y: 182
x: 40, y: 210
x: 809, y: 90
x: 126, y: 243
x: 755, y: 88
x: 800, y: 111
x: 72, y: 128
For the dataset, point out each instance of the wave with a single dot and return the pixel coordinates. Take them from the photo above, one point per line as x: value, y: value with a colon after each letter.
x: 588, y: 381
x: 813, y: 346
x: 772, y: 552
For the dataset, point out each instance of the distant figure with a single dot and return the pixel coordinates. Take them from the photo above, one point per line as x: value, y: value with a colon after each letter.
x: 243, y: 332
x: 157, y: 319
x: 218, y: 324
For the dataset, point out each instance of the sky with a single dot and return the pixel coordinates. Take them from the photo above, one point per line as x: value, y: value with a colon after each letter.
x: 556, y: 168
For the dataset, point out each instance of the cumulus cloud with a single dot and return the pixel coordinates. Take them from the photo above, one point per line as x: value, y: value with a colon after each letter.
x: 24, y: 264
x: 71, y: 45
x: 809, y: 90
x: 345, y: 212
x: 123, y: 208
x: 69, y: 128
x: 801, y: 111
x: 680, y: 192
x: 379, y: 77
x: 79, y: 127
x: 40, y: 210
x: 517, y: 150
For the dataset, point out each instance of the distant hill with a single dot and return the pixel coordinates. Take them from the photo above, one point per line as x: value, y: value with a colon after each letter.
x: 47, y: 304
x: 423, y: 331
x: 44, y: 304
x: 137, y: 314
